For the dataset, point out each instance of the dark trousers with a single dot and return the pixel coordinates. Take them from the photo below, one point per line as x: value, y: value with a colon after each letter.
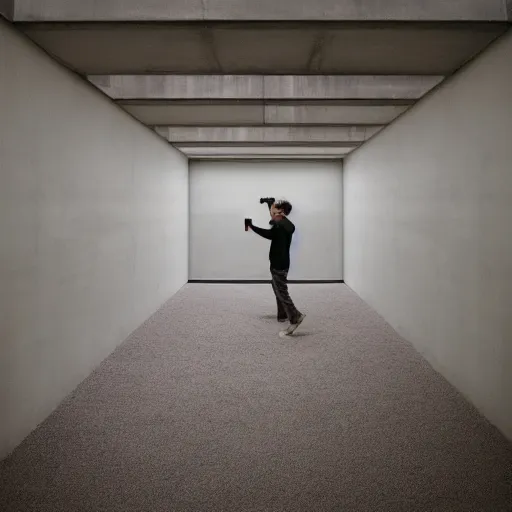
x: 285, y: 306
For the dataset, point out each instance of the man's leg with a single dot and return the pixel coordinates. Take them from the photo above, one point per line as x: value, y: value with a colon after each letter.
x: 280, y: 286
x: 281, y: 313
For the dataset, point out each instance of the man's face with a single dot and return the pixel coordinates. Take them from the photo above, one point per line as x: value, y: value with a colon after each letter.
x: 275, y: 212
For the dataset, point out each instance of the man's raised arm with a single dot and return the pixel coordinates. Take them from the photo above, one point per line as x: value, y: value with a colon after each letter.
x: 265, y: 233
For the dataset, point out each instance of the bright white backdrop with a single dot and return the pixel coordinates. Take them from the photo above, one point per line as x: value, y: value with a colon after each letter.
x: 222, y: 194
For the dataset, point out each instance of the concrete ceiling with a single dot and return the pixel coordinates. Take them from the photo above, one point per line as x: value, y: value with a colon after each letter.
x: 300, y: 114
x: 246, y: 79
x: 373, y: 48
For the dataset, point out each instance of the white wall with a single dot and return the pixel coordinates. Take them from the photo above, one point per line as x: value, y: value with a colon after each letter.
x: 428, y: 229
x: 222, y: 194
x: 93, y: 231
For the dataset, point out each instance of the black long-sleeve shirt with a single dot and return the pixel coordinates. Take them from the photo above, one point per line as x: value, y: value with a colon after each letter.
x: 280, y: 235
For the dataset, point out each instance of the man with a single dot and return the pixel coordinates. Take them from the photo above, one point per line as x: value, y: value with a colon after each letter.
x: 281, y: 235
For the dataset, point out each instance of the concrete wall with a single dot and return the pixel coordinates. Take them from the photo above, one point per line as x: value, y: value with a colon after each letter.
x: 7, y: 9
x: 93, y: 231
x: 428, y: 229
x: 222, y: 194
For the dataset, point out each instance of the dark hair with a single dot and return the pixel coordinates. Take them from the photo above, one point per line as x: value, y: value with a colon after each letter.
x: 285, y: 206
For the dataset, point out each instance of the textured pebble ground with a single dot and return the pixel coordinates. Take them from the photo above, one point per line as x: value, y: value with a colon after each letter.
x: 205, y: 408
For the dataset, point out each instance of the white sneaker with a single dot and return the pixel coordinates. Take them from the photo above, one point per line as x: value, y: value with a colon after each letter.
x: 292, y: 327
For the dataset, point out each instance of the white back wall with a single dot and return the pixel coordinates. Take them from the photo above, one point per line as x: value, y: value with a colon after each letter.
x: 93, y: 231
x: 222, y: 194
x: 428, y: 229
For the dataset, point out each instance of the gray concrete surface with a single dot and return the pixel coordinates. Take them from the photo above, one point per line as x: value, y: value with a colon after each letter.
x: 256, y: 157
x: 310, y: 134
x: 256, y: 74
x: 7, y: 9
x: 367, y: 52
x: 328, y: 10
x: 274, y: 151
x: 329, y: 114
x: 264, y: 48
x: 176, y: 87
x: 348, y: 87
x: 161, y: 113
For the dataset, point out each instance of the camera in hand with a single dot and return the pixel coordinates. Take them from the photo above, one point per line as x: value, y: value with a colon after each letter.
x: 269, y: 200
x: 248, y: 222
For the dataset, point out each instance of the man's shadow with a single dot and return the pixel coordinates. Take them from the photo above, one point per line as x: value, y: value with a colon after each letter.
x: 268, y: 317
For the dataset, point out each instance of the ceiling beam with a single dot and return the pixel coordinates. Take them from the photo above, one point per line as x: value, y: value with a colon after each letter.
x: 261, y: 87
x: 277, y: 102
x: 267, y: 151
x: 277, y: 143
x: 272, y: 48
x: 268, y: 134
x: 236, y: 114
x: 247, y: 10
x: 257, y: 158
x: 331, y: 114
